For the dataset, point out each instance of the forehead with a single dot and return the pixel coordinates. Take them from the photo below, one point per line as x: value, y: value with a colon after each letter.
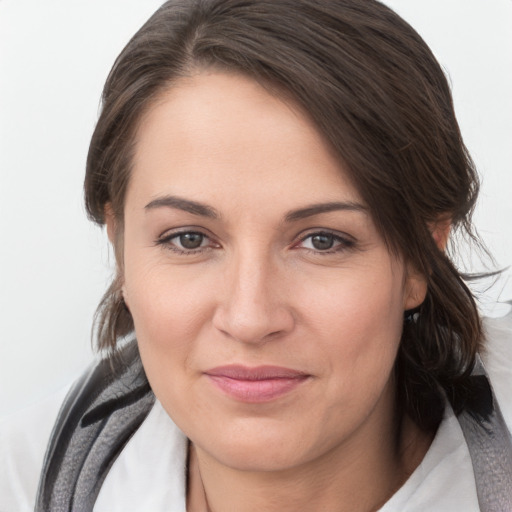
x: 223, y: 137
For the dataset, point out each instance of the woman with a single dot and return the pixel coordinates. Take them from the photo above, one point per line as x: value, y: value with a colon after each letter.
x: 279, y: 181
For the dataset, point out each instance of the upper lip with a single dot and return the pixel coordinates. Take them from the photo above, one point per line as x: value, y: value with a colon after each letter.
x: 240, y: 372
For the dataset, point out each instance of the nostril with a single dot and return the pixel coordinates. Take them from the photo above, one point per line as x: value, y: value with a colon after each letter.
x: 255, y: 329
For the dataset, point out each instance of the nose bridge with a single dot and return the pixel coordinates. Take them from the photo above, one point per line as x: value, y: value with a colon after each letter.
x: 252, y: 308
x: 252, y: 282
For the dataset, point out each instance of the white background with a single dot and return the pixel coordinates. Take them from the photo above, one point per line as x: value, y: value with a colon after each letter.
x: 55, y: 265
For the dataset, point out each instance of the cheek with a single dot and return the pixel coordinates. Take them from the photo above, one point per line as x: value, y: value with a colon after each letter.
x: 360, y: 322
x: 170, y: 315
x: 169, y: 311
x: 359, y: 305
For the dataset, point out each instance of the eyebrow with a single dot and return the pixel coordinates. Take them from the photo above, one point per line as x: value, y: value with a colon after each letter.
x: 204, y: 210
x: 316, y: 209
x: 186, y: 205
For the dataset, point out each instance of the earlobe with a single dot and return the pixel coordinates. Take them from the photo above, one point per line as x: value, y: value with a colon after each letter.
x: 115, y: 239
x: 416, y: 284
x: 415, y: 291
x: 123, y: 293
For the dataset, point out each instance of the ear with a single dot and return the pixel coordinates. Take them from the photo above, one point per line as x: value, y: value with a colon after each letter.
x: 116, y: 241
x: 110, y: 223
x: 114, y: 234
x: 415, y: 282
x: 440, y: 230
x: 415, y: 288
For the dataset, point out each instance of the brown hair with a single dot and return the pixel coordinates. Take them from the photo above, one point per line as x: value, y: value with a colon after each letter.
x: 376, y: 93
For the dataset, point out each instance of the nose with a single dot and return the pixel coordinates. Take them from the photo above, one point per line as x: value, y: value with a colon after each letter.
x: 253, y: 307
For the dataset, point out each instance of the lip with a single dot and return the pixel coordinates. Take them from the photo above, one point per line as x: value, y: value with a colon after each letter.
x: 255, y: 384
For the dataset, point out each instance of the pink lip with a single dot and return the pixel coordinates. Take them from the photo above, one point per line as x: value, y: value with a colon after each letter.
x: 255, y: 385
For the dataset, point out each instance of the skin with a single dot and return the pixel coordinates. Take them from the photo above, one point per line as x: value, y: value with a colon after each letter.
x: 260, y: 291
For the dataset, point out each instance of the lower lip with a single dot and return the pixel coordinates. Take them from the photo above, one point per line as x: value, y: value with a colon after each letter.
x: 256, y: 391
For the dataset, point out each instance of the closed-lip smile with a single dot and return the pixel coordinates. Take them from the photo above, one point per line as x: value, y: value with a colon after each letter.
x: 255, y: 384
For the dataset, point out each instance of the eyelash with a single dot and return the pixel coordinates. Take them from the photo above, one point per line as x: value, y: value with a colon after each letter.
x: 166, y: 241
x: 343, y: 243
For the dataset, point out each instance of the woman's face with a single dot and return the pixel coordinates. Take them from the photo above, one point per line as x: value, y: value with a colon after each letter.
x: 267, y: 307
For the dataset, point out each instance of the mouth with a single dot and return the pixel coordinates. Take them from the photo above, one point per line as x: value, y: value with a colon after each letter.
x: 255, y: 385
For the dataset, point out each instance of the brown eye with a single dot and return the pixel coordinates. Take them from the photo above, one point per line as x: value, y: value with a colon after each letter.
x: 191, y: 240
x: 322, y: 241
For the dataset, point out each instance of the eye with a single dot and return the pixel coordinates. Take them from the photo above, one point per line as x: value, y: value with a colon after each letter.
x: 190, y: 240
x: 186, y: 242
x: 325, y: 242
x: 322, y: 241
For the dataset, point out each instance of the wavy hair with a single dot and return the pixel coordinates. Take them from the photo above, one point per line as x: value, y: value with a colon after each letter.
x: 379, y: 97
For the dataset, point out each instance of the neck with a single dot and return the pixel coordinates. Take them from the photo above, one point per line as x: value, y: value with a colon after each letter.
x: 354, y: 477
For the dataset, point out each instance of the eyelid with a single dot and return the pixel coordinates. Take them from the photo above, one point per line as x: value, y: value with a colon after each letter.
x: 343, y: 241
x: 180, y: 230
x: 165, y: 238
x: 346, y: 241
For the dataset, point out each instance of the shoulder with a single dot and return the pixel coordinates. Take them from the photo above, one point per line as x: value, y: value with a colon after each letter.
x: 497, y: 357
x: 24, y: 437
x: 102, y: 411
x: 49, y: 442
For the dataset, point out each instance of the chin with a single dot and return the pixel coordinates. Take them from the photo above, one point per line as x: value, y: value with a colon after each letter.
x: 257, y: 458
x: 260, y: 445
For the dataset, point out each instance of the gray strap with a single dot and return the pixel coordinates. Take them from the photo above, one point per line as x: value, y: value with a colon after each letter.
x: 100, y: 414
x: 109, y: 403
x: 490, y: 445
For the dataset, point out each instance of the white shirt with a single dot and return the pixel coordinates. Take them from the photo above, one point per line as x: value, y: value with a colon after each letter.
x: 149, y: 474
